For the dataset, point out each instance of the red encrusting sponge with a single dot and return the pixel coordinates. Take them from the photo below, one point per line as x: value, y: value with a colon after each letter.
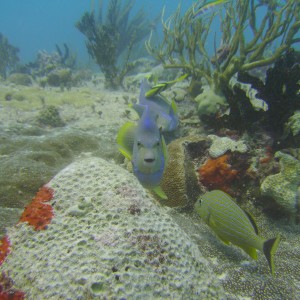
x: 4, y: 249
x: 37, y: 213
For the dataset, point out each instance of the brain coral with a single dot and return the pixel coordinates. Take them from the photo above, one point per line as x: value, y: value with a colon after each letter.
x: 180, y: 182
x: 107, y: 240
x: 284, y: 187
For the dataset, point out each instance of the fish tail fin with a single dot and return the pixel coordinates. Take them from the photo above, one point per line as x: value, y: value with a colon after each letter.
x: 269, y: 248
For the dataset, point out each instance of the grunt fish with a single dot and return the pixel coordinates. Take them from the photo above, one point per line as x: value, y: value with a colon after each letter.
x: 232, y: 225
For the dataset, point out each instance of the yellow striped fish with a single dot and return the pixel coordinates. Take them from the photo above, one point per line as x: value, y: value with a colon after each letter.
x: 207, y: 7
x: 160, y: 87
x: 232, y: 225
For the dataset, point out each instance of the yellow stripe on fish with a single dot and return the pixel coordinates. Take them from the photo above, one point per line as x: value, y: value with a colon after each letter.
x: 158, y: 88
x: 207, y: 7
x: 232, y: 225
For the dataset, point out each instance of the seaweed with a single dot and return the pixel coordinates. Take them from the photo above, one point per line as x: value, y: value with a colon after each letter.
x: 8, y: 56
x: 111, y: 42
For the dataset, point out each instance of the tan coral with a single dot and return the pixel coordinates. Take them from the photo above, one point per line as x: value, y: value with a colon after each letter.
x: 180, y: 181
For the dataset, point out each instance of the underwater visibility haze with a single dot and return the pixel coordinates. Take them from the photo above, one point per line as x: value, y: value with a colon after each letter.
x: 149, y: 149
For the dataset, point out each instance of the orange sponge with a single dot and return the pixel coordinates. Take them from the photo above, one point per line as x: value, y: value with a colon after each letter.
x: 217, y: 173
x: 39, y: 214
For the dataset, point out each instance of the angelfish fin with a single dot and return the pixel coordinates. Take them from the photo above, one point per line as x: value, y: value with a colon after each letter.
x: 160, y: 193
x: 125, y: 139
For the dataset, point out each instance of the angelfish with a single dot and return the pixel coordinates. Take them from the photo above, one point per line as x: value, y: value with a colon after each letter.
x: 232, y: 225
x: 164, y: 113
x: 144, y: 145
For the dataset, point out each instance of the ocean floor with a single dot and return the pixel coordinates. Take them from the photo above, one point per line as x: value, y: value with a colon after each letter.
x: 67, y: 138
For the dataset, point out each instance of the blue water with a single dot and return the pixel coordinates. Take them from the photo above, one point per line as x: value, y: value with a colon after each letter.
x: 33, y: 25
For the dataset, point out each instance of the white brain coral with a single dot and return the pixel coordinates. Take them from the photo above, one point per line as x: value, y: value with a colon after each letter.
x: 220, y: 145
x: 108, y: 240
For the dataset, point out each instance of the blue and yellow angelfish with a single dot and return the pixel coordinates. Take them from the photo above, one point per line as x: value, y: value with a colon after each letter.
x: 164, y: 113
x: 144, y: 145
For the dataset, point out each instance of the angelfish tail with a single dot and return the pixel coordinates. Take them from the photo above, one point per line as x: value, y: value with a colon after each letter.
x: 269, y: 248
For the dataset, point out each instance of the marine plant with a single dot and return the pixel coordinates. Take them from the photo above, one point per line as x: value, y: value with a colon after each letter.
x: 111, y: 42
x: 247, y: 41
x: 185, y: 46
x: 8, y: 56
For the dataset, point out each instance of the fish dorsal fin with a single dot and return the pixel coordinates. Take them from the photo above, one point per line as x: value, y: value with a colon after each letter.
x: 250, y: 251
x: 125, y: 139
x: 251, y: 219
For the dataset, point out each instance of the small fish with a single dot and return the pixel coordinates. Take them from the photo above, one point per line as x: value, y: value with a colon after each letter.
x: 232, y: 225
x: 207, y: 7
x: 164, y: 113
x: 158, y: 88
x: 144, y: 145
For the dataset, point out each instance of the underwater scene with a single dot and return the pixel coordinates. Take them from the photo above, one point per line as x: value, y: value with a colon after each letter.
x: 149, y: 149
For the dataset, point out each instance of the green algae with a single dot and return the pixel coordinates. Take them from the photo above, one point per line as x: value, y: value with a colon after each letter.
x: 30, y: 98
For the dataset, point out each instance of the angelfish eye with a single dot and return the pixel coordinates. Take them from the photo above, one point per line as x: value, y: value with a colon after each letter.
x: 139, y: 143
x: 157, y: 143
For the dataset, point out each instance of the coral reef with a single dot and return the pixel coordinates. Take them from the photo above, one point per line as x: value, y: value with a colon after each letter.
x: 37, y: 213
x: 96, y: 248
x: 279, y: 93
x: 185, y: 44
x: 8, y: 56
x: 112, y: 42
x: 180, y: 182
x: 49, y: 116
x: 60, y: 77
x: 218, y: 173
x: 247, y: 41
x: 221, y: 145
x: 284, y: 187
x: 20, y: 79
x: 209, y: 103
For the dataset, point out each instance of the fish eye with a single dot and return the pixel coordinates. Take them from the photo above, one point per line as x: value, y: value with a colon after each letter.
x: 139, y: 143
x: 157, y: 143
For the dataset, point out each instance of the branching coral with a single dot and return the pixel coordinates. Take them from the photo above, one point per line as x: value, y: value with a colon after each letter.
x: 246, y: 39
x: 8, y: 56
x: 115, y: 38
x: 39, y: 214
